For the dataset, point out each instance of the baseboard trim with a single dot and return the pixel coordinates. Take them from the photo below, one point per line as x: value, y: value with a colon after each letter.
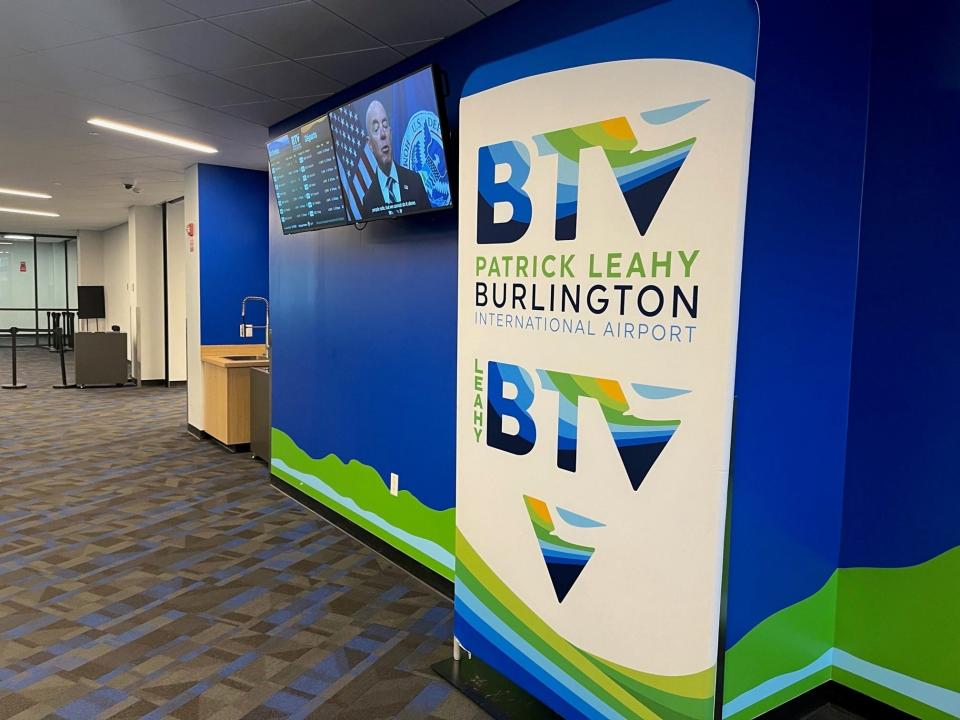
x: 425, y: 575
x: 502, y: 699
x: 196, y: 432
x: 833, y: 693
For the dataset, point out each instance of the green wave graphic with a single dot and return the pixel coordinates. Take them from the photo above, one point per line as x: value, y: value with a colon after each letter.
x: 364, y: 485
x: 904, y: 619
x: 630, y: 693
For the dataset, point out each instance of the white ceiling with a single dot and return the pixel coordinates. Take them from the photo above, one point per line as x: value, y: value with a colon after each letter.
x: 217, y: 71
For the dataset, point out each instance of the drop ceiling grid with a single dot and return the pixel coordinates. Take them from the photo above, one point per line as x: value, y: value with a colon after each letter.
x: 218, y: 71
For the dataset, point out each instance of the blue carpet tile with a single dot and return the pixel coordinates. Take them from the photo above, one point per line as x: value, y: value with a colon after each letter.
x: 148, y: 574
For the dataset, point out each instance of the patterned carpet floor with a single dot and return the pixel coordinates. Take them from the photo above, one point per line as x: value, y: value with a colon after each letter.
x: 147, y: 574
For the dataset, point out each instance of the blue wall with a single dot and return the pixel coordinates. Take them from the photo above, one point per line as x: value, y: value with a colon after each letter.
x: 903, y: 494
x: 340, y: 297
x: 840, y: 326
x: 234, y: 251
x: 365, y: 321
x: 797, y: 304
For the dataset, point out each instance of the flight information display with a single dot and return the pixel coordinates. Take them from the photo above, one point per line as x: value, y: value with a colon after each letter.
x: 305, y: 178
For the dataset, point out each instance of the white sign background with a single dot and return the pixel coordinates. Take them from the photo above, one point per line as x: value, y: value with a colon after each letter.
x: 649, y: 598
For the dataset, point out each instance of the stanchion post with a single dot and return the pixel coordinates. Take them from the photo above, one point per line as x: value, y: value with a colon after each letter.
x: 56, y: 324
x: 70, y: 330
x: 14, y: 385
x: 49, y: 332
x: 58, y: 337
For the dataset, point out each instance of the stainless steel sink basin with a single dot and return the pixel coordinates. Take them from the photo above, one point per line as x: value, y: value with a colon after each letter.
x: 244, y: 357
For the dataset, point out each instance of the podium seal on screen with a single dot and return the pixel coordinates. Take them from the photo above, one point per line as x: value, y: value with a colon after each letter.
x: 422, y: 152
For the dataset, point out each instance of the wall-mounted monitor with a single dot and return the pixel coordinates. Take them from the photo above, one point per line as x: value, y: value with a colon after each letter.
x: 305, y: 180
x: 390, y: 150
x: 90, y: 302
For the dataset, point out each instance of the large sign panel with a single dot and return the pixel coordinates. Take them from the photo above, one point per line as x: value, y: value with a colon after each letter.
x: 601, y: 228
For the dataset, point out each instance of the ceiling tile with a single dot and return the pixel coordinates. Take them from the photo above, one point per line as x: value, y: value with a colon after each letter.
x: 262, y: 113
x: 413, y: 48
x: 217, y: 123
x: 110, y: 17
x: 45, y: 72
x: 11, y: 89
x: 111, y: 167
x: 202, y: 45
x: 352, y: 67
x: 117, y: 60
x: 300, y: 29
x: 407, y: 21
x: 66, y: 112
x: 204, y: 89
x: 151, y: 177
x: 104, y: 151
x: 283, y: 79
x: 136, y: 98
x: 489, y: 7
x: 26, y: 25
x: 8, y: 49
x: 304, y: 102
x: 212, y: 8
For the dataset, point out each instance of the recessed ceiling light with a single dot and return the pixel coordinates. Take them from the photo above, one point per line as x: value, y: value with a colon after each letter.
x: 21, y: 211
x: 3, y: 243
x: 24, y: 193
x: 17, y: 237
x: 151, y: 135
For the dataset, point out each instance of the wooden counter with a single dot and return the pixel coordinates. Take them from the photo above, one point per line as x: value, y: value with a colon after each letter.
x: 226, y: 391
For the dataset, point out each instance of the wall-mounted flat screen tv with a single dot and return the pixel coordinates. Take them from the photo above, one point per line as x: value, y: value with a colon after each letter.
x: 305, y: 180
x: 90, y: 304
x: 390, y: 150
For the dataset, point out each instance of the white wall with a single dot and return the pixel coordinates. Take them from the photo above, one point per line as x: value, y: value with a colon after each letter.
x: 89, y: 257
x: 146, y: 289
x: 176, y: 292
x: 191, y: 213
x: 116, y: 279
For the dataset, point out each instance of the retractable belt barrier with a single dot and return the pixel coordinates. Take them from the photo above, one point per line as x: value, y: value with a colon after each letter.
x: 59, y: 340
x: 13, y: 385
x: 49, y: 331
x: 55, y: 316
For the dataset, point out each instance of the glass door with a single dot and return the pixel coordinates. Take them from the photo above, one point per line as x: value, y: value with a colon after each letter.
x: 38, y: 274
x: 18, y: 299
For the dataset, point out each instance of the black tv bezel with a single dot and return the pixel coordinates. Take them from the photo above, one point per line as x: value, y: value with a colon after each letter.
x: 101, y: 305
x: 444, y: 132
x: 326, y: 226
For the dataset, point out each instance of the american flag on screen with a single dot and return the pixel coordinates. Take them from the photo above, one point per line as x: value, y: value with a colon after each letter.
x: 356, y: 160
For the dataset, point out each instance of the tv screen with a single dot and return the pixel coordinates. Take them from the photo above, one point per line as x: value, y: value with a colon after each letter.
x: 389, y: 148
x: 305, y: 182
x: 90, y: 303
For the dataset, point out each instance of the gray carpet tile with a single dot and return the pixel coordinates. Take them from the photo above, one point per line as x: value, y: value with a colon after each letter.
x: 148, y: 574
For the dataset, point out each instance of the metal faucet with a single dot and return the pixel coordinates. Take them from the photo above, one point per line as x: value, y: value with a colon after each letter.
x: 266, y: 327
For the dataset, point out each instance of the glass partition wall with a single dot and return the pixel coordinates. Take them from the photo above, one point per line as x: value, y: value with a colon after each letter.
x: 37, y: 274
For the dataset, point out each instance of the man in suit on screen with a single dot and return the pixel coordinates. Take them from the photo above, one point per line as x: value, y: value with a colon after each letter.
x: 395, y: 189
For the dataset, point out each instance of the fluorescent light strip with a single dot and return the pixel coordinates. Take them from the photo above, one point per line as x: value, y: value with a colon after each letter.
x: 16, y: 237
x: 24, y: 193
x: 21, y: 211
x: 151, y: 135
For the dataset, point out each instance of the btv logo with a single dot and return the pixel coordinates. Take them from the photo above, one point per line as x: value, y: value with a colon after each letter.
x: 644, y: 176
x: 638, y: 441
